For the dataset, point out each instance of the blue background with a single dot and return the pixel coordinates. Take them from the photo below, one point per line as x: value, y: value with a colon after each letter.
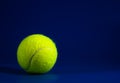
x: 87, y: 35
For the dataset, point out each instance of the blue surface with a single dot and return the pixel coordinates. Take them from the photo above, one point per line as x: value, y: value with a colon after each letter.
x: 86, y: 32
x: 83, y: 74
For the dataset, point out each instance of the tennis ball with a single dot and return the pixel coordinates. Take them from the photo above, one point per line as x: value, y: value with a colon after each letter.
x: 37, y: 54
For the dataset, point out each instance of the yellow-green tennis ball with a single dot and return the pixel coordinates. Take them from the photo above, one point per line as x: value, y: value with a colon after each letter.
x: 37, y: 54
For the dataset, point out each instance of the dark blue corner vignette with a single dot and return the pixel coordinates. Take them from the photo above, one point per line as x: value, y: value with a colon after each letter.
x: 87, y: 35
